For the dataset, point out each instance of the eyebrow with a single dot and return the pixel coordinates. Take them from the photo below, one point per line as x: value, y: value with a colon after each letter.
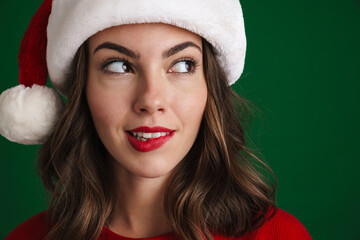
x: 121, y: 49
x: 118, y: 48
x: 179, y: 48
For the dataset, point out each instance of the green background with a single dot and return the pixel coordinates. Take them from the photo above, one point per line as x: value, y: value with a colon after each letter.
x: 302, y: 70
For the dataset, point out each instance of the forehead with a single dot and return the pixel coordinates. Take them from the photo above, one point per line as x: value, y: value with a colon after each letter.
x: 142, y: 36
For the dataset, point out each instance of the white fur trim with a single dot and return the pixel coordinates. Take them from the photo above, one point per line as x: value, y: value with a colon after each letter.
x: 29, y: 115
x: 72, y: 22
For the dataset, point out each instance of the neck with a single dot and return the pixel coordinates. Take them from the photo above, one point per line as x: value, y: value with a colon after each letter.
x: 139, y: 210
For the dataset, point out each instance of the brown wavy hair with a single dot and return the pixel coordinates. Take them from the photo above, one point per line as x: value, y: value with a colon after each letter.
x: 218, y: 188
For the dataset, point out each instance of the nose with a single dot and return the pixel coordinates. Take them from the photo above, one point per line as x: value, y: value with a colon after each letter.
x: 151, y: 95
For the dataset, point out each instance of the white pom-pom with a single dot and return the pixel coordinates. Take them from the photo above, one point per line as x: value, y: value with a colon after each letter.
x: 29, y: 115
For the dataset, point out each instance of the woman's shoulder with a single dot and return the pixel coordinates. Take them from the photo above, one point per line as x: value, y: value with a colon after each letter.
x: 281, y: 226
x: 34, y: 228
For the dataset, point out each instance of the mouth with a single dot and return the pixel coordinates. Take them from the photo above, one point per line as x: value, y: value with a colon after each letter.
x: 145, y: 139
x: 145, y: 136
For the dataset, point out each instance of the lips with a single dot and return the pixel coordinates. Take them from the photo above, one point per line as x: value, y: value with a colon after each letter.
x: 146, y: 139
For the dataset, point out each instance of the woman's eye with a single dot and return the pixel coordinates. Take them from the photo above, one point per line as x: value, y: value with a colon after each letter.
x: 118, y: 67
x: 185, y: 66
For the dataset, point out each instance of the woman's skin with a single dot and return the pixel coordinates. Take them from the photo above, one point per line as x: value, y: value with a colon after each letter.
x: 149, y: 75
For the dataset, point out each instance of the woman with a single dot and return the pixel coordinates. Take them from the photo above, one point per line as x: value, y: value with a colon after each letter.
x: 149, y: 144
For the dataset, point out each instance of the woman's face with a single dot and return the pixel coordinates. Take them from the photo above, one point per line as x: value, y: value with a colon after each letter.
x: 146, y: 91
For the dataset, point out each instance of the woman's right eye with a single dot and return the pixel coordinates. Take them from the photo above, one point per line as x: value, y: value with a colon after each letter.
x: 118, y: 66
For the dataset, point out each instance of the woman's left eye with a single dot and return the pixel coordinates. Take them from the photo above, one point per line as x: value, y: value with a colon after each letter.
x: 184, y: 66
x: 118, y: 66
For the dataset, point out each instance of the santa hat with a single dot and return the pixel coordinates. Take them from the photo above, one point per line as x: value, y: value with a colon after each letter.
x: 30, y: 111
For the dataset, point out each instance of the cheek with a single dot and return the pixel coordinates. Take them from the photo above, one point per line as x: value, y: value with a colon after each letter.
x: 107, y: 109
x: 98, y: 105
x: 193, y: 105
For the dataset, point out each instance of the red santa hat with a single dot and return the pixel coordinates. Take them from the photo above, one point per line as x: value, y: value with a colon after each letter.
x: 30, y: 111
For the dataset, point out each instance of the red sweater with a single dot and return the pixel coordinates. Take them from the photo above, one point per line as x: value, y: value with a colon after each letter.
x: 282, y: 226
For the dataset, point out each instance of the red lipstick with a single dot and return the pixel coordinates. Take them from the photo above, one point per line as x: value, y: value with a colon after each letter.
x: 151, y: 143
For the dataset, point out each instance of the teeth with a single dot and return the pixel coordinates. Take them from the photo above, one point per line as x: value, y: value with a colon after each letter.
x: 142, y: 136
x: 156, y: 135
x: 147, y: 135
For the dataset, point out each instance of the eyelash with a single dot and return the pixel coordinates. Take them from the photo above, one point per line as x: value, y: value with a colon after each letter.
x: 109, y: 61
x: 106, y: 63
x: 193, y: 61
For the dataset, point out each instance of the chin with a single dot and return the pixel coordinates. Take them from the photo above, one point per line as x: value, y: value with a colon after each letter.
x: 154, y: 174
x: 144, y: 168
x: 154, y: 171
